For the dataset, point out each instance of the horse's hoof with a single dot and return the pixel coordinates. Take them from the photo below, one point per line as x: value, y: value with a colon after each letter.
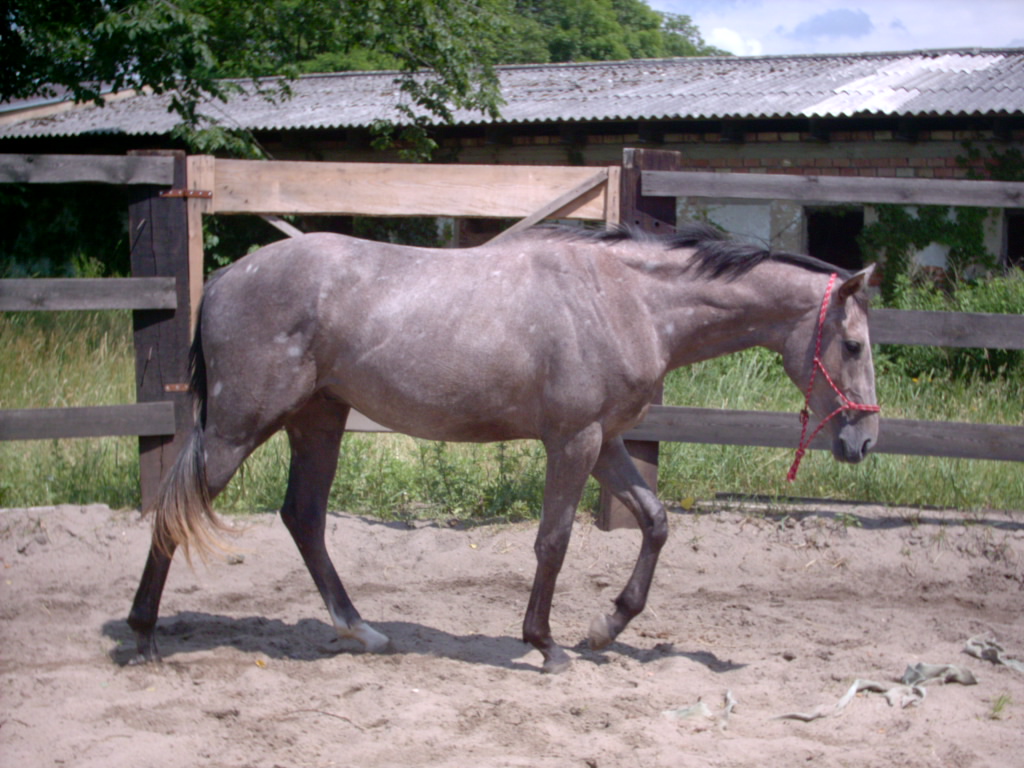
x: 146, y: 651
x: 144, y: 658
x: 557, y: 663
x: 600, y: 634
x: 372, y: 640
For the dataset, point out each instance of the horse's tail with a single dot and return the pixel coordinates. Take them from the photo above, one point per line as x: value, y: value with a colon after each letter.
x: 183, y: 513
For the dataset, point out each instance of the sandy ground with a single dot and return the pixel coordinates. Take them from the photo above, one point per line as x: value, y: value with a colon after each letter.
x: 782, y: 612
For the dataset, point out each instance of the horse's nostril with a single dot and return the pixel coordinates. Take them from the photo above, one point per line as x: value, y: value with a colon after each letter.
x: 868, y: 445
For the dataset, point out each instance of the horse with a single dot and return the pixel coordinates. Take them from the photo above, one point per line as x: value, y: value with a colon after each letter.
x: 562, y: 336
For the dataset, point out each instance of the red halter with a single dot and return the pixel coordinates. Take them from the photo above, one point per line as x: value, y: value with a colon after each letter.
x: 847, y: 403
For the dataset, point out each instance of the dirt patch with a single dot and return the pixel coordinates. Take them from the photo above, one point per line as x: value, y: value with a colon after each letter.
x: 783, y: 612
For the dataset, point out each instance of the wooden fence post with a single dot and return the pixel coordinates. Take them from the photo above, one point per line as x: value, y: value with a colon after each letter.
x: 656, y: 215
x: 159, y: 237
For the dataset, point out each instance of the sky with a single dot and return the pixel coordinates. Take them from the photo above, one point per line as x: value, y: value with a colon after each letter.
x: 780, y: 27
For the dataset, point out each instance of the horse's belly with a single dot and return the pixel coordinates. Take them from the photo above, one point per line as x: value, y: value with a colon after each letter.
x: 449, y: 425
x: 475, y: 411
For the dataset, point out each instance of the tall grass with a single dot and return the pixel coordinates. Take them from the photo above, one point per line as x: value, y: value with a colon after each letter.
x: 755, y: 380
x: 83, y: 358
x: 61, y: 359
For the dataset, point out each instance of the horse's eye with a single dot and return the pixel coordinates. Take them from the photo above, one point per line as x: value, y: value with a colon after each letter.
x: 853, y: 348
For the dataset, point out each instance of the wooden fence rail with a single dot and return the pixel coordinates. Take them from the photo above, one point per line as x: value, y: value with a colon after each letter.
x: 101, y: 169
x: 142, y: 419
x: 947, y: 329
x: 73, y: 293
x: 925, y: 438
x: 171, y: 192
x: 835, y: 189
x: 772, y: 429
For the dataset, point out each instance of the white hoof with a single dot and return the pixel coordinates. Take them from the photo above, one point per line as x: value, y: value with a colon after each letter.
x: 372, y: 640
x: 600, y: 632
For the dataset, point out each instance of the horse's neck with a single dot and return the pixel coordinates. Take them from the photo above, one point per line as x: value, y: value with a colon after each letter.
x: 719, y: 316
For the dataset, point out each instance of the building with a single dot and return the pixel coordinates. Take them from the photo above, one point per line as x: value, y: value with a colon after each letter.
x: 919, y: 114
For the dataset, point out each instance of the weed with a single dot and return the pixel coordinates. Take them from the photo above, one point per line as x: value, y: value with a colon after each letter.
x: 848, y: 520
x: 999, y: 705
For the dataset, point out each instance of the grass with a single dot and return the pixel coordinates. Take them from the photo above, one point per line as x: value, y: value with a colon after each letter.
x: 999, y: 705
x: 86, y: 358
x: 59, y: 359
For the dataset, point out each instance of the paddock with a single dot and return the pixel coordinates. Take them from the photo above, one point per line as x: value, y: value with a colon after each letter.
x: 782, y: 608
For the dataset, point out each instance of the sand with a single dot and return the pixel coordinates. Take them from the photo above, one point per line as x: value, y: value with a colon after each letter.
x: 781, y: 612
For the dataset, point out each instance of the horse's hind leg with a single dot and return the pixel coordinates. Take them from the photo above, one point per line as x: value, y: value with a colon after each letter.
x: 315, y: 434
x: 142, y: 618
x: 616, y: 471
x: 203, y: 468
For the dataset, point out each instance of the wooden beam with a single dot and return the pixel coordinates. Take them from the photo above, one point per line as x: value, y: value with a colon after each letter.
x: 613, y: 196
x: 766, y: 429
x: 32, y: 294
x: 552, y: 209
x: 158, y: 229
x: 282, y: 226
x: 92, y: 421
x: 947, y: 329
x: 782, y: 430
x: 199, y: 176
x: 104, y: 169
x: 834, y: 189
x: 390, y: 189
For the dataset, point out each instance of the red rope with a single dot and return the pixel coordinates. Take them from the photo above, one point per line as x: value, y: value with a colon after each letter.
x: 817, y: 365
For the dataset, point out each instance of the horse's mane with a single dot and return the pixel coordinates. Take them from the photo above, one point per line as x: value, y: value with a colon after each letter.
x: 715, y: 253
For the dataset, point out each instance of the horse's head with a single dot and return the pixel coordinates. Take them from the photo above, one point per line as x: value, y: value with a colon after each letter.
x: 828, y: 356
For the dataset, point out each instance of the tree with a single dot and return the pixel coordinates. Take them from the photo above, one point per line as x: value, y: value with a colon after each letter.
x: 186, y: 48
x: 545, y: 31
x: 86, y: 46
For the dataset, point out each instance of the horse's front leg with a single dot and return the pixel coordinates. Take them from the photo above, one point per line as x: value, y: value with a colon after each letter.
x: 315, y: 433
x: 616, y: 471
x: 568, y: 465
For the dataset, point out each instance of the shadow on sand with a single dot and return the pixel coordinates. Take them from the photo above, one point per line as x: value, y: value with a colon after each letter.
x: 311, y: 639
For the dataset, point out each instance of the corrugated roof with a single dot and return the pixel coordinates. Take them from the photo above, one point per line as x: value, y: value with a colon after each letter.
x: 917, y: 83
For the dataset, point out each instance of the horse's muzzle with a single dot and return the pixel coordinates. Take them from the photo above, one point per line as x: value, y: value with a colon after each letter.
x: 852, y: 444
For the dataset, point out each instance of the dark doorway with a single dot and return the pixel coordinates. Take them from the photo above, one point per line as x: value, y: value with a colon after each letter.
x: 1015, y: 238
x: 832, y: 235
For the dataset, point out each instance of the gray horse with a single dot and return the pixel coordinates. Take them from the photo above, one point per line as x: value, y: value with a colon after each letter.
x: 553, y: 335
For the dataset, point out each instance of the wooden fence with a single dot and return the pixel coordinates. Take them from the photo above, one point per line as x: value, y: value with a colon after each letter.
x: 172, y: 192
x: 945, y: 329
x: 153, y: 298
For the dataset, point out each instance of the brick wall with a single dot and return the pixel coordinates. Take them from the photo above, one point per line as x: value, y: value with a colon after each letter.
x: 936, y: 154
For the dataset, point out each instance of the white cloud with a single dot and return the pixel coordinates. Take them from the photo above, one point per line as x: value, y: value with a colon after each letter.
x: 732, y: 41
x: 837, y: 22
x: 852, y: 26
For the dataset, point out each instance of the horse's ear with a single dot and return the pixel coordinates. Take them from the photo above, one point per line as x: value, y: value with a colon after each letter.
x: 859, y: 282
